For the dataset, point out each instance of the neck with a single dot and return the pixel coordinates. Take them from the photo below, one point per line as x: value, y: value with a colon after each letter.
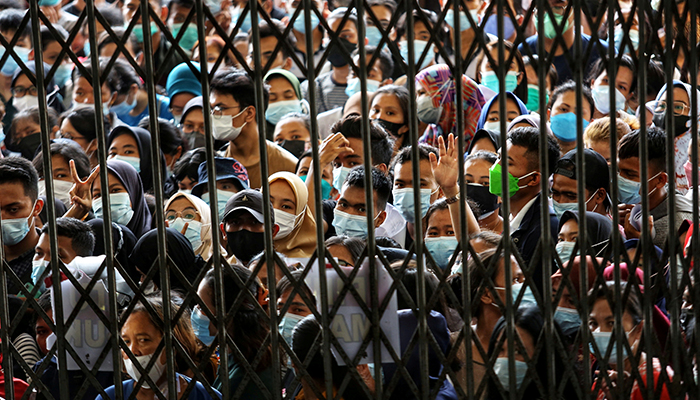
x: 301, y: 40
x: 246, y: 146
x: 411, y: 229
x: 657, y: 198
x: 28, y: 243
x: 518, y: 201
x: 141, y: 102
x: 467, y: 39
x: 485, y: 323
x: 493, y: 222
x: 340, y: 74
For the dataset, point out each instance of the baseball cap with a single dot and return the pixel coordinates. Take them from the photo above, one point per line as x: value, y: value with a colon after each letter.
x: 597, y: 169
x: 249, y: 200
x: 226, y: 168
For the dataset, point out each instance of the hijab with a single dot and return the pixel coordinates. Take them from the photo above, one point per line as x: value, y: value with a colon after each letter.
x: 123, y: 241
x: 143, y: 141
x: 682, y: 139
x: 437, y: 81
x: 140, y: 222
x: 205, y: 249
x: 494, y: 100
x: 598, y: 227
x: 301, y: 242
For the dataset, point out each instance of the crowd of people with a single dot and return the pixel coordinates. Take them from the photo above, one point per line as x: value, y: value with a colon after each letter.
x: 521, y: 109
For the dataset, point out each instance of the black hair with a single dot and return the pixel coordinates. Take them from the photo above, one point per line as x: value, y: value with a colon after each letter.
x: 479, y: 277
x: 600, y: 67
x: 126, y: 76
x: 306, y: 154
x: 170, y: 135
x: 491, y: 238
x: 529, y: 138
x: 533, y: 61
x: 285, y: 284
x: 382, y: 143
x: 439, y: 204
x: 188, y: 4
x: 427, y: 17
x: 80, y: 233
x: 44, y: 302
x: 305, y: 120
x: 82, y: 118
x: 275, y: 30
x: 570, y: 86
x: 240, y: 86
x: 483, y: 155
x: 11, y: 4
x: 656, y: 79
x: 401, y: 94
x: 20, y: 170
x: 390, y: 4
x: 105, y: 38
x: 47, y: 37
x: 11, y: 19
x: 304, y: 336
x: 380, y: 184
x: 114, y: 82
x: 632, y: 306
x: 69, y: 150
x: 31, y: 114
x: 656, y: 148
x: 354, y: 245
x: 406, y: 154
x: 188, y: 165
x: 112, y: 15
x: 386, y: 63
x: 387, y: 242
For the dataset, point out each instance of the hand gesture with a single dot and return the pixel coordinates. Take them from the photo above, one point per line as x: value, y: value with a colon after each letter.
x: 81, y: 192
x: 446, y: 168
x: 332, y: 147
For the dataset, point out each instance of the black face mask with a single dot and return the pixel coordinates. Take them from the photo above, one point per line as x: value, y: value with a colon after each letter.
x: 28, y: 145
x: 392, y: 127
x: 486, y: 200
x: 680, y: 122
x: 245, y: 244
x: 296, y: 147
x: 336, y: 57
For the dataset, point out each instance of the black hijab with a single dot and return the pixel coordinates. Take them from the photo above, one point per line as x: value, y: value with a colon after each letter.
x: 123, y: 240
x: 143, y: 141
x: 140, y: 222
x: 598, y: 227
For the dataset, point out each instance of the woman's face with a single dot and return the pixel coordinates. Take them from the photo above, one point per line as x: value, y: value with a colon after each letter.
x: 387, y: 107
x: 24, y: 127
x: 207, y: 297
x: 486, y: 65
x: 115, y: 186
x: 282, y: 197
x: 68, y: 131
x: 193, y: 122
x: 512, y: 111
x: 181, y: 208
x: 477, y: 171
x: 281, y: 90
x: 500, y: 279
x: 602, y: 319
x: 566, y: 103
x: 82, y: 92
x: 124, y: 145
x: 343, y: 255
x: 292, y: 129
x: 569, y: 231
x: 440, y: 224
x: 303, y: 170
x: 141, y: 336
x: 623, y: 81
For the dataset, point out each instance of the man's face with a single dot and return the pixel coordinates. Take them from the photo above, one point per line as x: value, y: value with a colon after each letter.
x: 227, y: 105
x: 518, y: 163
x: 348, y: 31
x: 178, y: 15
x: 374, y: 72
x: 65, y: 249
x: 15, y: 204
x: 629, y: 168
x: 350, y: 160
x: 243, y: 220
x: 566, y: 103
x: 297, y: 307
x: 43, y: 331
x: 25, y: 41
x: 352, y: 201
x: 403, y: 177
x: 179, y: 101
x: 51, y: 52
x: 130, y: 6
x: 267, y: 48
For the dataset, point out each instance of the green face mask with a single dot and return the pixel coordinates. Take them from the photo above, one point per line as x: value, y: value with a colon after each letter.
x: 549, y: 31
x: 533, y: 98
x: 495, y: 174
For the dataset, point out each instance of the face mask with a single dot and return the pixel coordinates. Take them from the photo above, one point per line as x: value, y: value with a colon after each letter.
x: 601, y: 98
x: 223, y: 129
x: 28, y: 145
x: 200, y: 325
x: 403, y: 201
x: 138, y: 30
x: 533, y: 98
x: 11, y: 65
x: 494, y: 126
x: 464, y: 22
x: 155, y: 373
x: 287, y: 223
x: 120, y: 208
x: 528, y: 296
x: 487, y: 201
x: 222, y: 197
x: 427, y: 112
x: 15, y: 230
x: 355, y: 86
x: 549, y: 31
x: 63, y: 74
x: 275, y: 111
x: 495, y: 173
x: 565, y: 250
x: 490, y: 80
x: 189, y: 38
x: 491, y: 26
x: 245, y: 244
x: 628, y: 190
x: 500, y: 368
x: 373, y: 35
x: 25, y: 102
x: 61, y: 190
x: 325, y: 187
x: 349, y: 224
x: 133, y: 161
x: 124, y: 107
x: 300, y: 23
x: 681, y: 123
x: 391, y: 127
x: 441, y: 249
x: 339, y: 175
x: 561, y: 208
x: 568, y: 319
x: 296, y: 147
x: 564, y: 126
x: 197, y: 140
x: 602, y: 339
x: 193, y: 232
x: 634, y: 38
x: 419, y: 47
x: 38, y: 268
x: 176, y: 120
x: 336, y: 56
x: 286, y: 327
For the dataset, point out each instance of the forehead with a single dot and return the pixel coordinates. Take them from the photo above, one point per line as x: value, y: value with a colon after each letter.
x: 280, y: 84
x: 335, y: 24
x: 561, y: 182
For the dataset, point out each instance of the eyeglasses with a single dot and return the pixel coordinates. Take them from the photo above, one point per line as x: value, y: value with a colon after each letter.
x: 176, y: 110
x: 679, y: 108
x: 66, y: 135
x: 190, y: 128
x: 218, y: 111
x: 20, y: 91
x: 187, y: 215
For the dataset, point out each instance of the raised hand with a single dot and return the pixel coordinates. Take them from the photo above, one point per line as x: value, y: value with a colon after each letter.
x: 81, y: 192
x: 332, y: 147
x: 446, y: 167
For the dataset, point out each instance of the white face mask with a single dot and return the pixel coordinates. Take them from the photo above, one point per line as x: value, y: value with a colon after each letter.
x: 25, y: 102
x: 287, y: 223
x: 223, y: 129
x: 155, y: 373
x: 61, y: 190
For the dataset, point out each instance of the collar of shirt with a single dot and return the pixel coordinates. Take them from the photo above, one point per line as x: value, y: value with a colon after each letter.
x: 515, y: 221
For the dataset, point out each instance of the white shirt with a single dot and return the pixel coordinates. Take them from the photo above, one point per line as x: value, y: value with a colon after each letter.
x: 394, y: 226
x: 515, y: 221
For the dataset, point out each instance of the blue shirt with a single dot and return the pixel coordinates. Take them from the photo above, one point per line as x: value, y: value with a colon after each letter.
x: 198, y: 393
x: 163, y: 112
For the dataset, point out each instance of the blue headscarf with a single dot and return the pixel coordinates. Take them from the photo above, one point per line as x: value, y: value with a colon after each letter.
x: 487, y: 107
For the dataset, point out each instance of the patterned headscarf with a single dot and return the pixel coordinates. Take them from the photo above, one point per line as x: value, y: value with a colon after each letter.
x: 437, y: 81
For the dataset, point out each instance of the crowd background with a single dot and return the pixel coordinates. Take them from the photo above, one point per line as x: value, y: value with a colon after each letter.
x: 528, y: 232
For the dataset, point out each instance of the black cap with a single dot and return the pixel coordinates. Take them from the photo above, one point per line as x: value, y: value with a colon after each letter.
x: 597, y: 169
x: 248, y: 200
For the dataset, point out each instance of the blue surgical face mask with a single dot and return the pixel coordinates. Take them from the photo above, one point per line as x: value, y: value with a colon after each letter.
x: 287, y: 324
x: 564, y: 126
x: 193, y: 232
x: 464, y: 22
x: 339, y: 175
x: 325, y: 187
x: 494, y: 126
x: 222, y: 197
x: 247, y: 22
x: 373, y: 35
x: 441, y: 248
x: 300, y: 24
x: 189, y: 38
x: 133, y: 161
x: 568, y: 319
x: 634, y: 38
x: 275, y: 111
x: 426, y: 110
x: 602, y: 339
x: 11, y: 65
x: 124, y: 107
x: 419, y: 47
x: 200, y: 325
x: 15, y: 230
x: 565, y: 250
x: 628, y: 190
x: 403, y: 201
x: 561, y: 208
x: 533, y: 97
x: 349, y: 224
x: 120, y: 208
x: 601, y: 99
x: 63, y: 74
x: 528, y: 296
x: 500, y: 368
x: 38, y: 268
x: 490, y: 80
x: 355, y: 86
